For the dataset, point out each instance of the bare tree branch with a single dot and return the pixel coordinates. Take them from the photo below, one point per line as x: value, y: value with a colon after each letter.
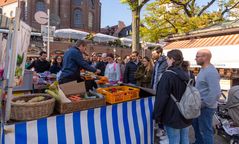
x: 206, y: 7
x: 228, y: 9
x: 175, y: 28
x: 184, y: 5
x: 143, y: 3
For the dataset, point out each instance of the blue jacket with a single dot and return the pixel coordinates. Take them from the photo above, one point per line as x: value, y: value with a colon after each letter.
x: 161, y: 67
x: 73, y: 61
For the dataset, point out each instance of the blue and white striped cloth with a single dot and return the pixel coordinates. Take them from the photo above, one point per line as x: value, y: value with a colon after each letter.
x: 124, y: 123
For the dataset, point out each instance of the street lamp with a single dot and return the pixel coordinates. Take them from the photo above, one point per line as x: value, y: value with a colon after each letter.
x: 143, y: 47
x: 114, y: 52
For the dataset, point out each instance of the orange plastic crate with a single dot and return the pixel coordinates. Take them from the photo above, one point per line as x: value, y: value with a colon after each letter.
x: 121, y: 94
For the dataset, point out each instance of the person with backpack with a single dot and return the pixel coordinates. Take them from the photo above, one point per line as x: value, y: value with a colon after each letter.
x: 112, y: 70
x: 173, y: 82
x: 207, y: 83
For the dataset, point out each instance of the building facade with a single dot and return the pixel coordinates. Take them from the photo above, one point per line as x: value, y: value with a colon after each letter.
x: 82, y: 15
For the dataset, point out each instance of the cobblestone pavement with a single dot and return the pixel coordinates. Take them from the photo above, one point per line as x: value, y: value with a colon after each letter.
x: 218, y: 139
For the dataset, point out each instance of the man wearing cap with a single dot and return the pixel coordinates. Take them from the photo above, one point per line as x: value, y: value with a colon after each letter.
x: 72, y: 63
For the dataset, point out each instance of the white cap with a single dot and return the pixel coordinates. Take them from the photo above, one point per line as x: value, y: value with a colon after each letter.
x: 104, y: 55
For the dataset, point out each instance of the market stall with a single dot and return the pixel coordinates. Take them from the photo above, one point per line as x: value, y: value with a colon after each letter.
x: 224, y: 55
x: 128, y: 122
x: 71, y: 112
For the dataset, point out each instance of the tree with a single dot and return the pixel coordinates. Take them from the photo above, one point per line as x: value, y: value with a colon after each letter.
x: 135, y: 6
x: 168, y: 17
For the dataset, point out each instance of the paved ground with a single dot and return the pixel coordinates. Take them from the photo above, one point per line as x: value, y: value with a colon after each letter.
x: 218, y: 139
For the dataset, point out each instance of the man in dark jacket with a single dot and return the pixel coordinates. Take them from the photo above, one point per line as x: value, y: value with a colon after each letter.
x: 72, y: 63
x: 41, y: 65
x: 130, y: 69
x: 102, y: 64
x: 159, y: 67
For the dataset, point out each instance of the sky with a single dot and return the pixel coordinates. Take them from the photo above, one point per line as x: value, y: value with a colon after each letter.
x: 113, y: 11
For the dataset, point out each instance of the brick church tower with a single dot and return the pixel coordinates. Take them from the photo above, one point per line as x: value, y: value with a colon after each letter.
x: 82, y: 15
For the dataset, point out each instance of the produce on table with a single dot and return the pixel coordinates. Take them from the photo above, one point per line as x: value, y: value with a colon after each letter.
x: 36, y: 99
x: 57, y: 93
x: 75, y: 98
x: 20, y: 101
x: 53, y: 94
x: 102, y: 80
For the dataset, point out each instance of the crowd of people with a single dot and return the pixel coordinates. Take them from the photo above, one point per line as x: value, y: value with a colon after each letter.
x: 150, y: 73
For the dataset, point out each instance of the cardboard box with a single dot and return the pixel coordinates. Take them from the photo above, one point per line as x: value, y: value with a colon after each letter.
x: 71, y: 88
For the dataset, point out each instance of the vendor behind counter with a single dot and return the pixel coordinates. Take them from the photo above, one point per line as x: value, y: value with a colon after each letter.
x: 73, y: 61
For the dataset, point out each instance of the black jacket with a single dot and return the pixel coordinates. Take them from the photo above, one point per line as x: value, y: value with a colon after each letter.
x: 55, y: 68
x: 165, y: 109
x: 40, y: 66
x: 101, y: 65
x: 129, y: 73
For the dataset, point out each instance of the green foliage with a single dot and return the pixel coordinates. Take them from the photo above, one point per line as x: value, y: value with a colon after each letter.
x: 89, y: 37
x: 168, y: 17
x: 116, y: 43
x: 133, y: 4
x: 20, y: 59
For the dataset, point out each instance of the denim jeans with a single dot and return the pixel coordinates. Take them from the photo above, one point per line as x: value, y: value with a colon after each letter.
x: 178, y: 136
x: 203, y: 126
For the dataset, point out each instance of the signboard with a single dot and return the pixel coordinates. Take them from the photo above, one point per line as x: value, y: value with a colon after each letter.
x: 225, y: 84
x: 23, y: 41
x: 44, y: 30
x: 219, y: 60
x: 45, y: 38
x: 3, y: 44
x: 41, y: 17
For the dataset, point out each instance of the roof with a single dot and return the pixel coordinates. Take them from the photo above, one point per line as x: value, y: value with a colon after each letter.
x: 223, y: 28
x: 232, y: 39
x: 6, y: 2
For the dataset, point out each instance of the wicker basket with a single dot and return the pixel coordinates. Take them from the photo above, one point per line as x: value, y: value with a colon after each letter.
x: 64, y: 108
x: 34, y: 110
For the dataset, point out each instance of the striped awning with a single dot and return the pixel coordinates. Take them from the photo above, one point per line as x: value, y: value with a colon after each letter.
x: 224, y: 50
x: 205, y: 42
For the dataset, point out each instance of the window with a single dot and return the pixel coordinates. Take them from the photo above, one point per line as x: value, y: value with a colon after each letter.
x: 77, y: 18
x: 92, y: 4
x: 90, y: 20
x: 77, y: 2
x: 40, y: 6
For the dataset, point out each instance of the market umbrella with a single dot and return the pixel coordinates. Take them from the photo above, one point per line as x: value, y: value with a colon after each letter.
x: 70, y: 33
x: 99, y: 37
x: 126, y: 41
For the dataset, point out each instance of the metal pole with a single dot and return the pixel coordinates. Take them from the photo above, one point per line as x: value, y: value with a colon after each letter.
x: 48, y: 35
x: 13, y: 65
